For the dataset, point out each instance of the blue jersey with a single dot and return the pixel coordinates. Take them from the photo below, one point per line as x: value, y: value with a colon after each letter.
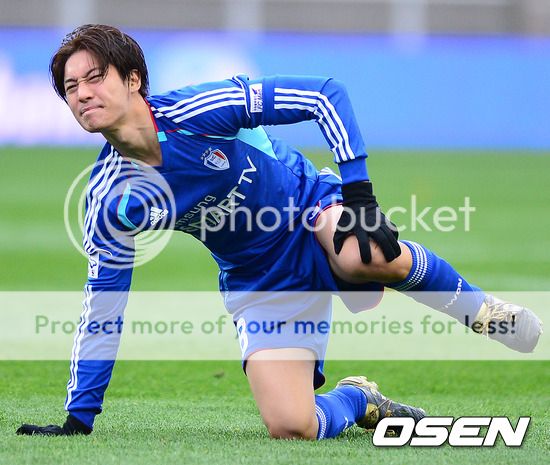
x: 216, y: 159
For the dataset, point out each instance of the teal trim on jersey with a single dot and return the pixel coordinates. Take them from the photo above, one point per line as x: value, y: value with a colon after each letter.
x: 189, y: 133
x: 121, y: 210
x: 258, y: 139
x: 186, y: 132
x: 161, y: 136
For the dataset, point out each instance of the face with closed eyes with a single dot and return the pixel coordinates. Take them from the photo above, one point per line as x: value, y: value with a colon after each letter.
x: 99, y: 102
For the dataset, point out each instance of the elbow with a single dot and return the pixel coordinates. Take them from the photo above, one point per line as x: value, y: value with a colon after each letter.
x: 334, y: 87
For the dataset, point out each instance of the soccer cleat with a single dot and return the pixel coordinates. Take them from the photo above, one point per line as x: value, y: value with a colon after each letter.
x: 379, y: 406
x: 521, y: 331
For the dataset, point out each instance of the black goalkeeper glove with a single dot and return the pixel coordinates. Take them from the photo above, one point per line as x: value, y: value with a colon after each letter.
x: 70, y: 427
x: 360, y: 202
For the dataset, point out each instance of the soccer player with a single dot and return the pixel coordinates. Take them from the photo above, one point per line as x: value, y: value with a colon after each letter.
x: 197, y: 159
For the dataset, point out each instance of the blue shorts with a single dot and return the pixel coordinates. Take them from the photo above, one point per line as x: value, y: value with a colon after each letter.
x: 289, y: 302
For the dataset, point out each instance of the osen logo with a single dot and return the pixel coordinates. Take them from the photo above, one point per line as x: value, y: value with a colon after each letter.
x: 436, y: 431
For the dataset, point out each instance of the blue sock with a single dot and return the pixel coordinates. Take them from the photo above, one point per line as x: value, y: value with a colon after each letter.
x: 339, y: 409
x: 444, y: 289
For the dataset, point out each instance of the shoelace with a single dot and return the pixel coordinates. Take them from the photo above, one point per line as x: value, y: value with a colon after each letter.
x: 373, y: 388
x: 388, y: 410
x: 496, y: 312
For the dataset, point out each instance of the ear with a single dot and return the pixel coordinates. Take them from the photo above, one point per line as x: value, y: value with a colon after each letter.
x: 134, y: 81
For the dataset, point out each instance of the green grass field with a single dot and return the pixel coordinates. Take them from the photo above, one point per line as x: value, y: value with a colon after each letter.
x: 202, y: 412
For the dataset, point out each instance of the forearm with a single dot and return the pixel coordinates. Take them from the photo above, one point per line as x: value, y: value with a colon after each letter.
x: 95, y: 349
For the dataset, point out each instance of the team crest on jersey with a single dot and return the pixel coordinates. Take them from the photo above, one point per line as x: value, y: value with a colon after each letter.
x: 215, y: 159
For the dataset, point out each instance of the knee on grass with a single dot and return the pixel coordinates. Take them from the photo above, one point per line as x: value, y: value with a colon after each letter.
x: 292, y: 428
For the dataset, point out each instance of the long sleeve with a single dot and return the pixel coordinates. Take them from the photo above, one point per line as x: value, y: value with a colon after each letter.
x: 291, y: 99
x: 221, y: 109
x: 110, y: 262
